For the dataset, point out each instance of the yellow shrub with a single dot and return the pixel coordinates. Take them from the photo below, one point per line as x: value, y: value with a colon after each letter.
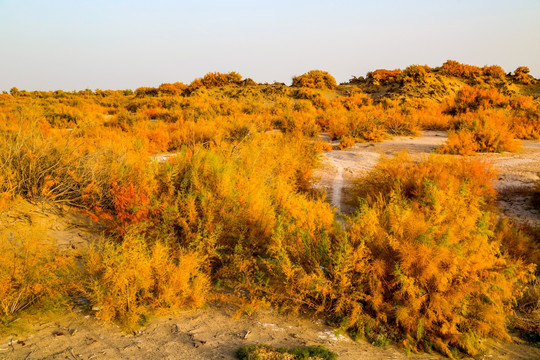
x: 128, y: 281
x: 415, y: 73
x: 526, y: 125
x: 521, y: 75
x: 216, y: 79
x: 470, y: 99
x: 32, y: 269
x: 238, y: 203
x: 435, y: 276
x: 346, y: 142
x: 445, y: 171
x: 486, y: 131
x: 321, y: 146
x: 460, y: 142
x: 517, y: 243
x: 316, y: 79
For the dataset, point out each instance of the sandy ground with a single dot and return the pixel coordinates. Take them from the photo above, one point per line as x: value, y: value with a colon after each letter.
x: 215, y: 332
x: 340, y: 167
x: 70, y: 229
x: 517, y: 172
x: 211, y: 333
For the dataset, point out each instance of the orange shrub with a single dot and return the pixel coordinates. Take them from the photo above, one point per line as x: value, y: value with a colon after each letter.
x: 354, y: 101
x: 486, y: 131
x: 367, y: 126
x: 429, y: 269
x: 521, y: 75
x: 516, y: 243
x: 383, y: 76
x: 399, y: 124
x: 427, y: 114
x: 346, y: 142
x: 146, y: 91
x: 470, y: 99
x: 216, y: 79
x: 130, y: 204
x: 128, y: 281
x: 471, y: 72
x: 32, y: 271
x: 494, y: 72
x: 415, y: 73
x: 412, y: 176
x: 523, y: 103
x: 315, y: 79
x: 172, y: 89
x: 525, y: 125
x: 460, y: 142
x: 454, y: 68
x: 305, y: 93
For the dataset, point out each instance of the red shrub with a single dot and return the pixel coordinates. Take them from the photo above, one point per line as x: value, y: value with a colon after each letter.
x: 383, y: 76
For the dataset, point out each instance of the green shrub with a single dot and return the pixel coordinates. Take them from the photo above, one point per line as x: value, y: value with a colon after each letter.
x: 265, y: 352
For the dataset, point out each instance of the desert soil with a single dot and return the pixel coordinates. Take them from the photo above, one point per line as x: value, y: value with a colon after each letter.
x: 211, y: 333
x: 517, y: 172
x: 215, y: 332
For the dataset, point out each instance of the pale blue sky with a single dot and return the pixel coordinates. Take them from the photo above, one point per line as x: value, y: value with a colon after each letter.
x: 71, y: 45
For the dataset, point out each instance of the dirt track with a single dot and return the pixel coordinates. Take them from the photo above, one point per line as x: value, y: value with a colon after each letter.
x: 340, y: 167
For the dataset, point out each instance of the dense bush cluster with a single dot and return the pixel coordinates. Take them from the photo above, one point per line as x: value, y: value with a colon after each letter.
x: 440, y: 278
x: 32, y: 270
x: 415, y: 73
x: 210, y: 185
x: 315, y: 79
x: 125, y: 281
x: 383, y: 76
x: 521, y: 75
x: 454, y: 68
x: 487, y: 121
x: 216, y: 79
